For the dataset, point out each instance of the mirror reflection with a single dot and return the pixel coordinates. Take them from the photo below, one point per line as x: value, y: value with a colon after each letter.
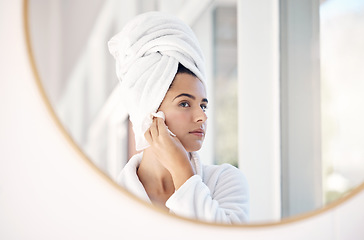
x: 311, y: 154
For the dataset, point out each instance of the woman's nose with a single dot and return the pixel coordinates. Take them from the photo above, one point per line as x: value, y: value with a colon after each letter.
x: 200, y: 115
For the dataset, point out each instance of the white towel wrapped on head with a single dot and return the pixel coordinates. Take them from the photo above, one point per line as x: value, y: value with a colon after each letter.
x: 147, y: 53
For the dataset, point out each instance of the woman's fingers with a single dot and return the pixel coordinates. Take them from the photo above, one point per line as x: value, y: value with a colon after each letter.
x: 162, y: 127
x: 148, y: 136
x: 157, y: 129
x: 152, y: 132
x: 154, y: 129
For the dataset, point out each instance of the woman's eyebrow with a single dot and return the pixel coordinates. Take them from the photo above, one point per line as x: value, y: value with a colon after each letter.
x: 190, y: 96
x: 185, y: 95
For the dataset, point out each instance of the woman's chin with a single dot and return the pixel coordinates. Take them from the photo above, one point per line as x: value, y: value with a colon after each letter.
x: 193, y: 147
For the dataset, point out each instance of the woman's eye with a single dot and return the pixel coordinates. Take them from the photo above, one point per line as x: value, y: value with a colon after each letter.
x: 204, y: 107
x: 184, y: 104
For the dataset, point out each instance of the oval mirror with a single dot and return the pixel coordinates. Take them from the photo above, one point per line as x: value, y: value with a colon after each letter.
x: 285, y: 83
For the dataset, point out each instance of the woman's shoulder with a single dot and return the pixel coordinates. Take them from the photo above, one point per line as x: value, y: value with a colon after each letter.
x: 208, y: 171
x: 221, y: 168
x: 129, y: 170
x: 223, y: 173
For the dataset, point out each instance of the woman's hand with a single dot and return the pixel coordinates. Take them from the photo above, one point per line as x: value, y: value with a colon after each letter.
x: 170, y: 152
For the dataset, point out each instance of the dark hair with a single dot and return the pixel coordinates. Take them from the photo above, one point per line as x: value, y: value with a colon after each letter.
x: 183, y: 69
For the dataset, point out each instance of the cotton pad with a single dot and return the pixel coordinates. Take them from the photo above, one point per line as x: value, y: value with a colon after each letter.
x: 160, y: 114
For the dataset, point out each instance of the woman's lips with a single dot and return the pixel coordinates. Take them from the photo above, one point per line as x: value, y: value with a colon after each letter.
x: 198, y: 132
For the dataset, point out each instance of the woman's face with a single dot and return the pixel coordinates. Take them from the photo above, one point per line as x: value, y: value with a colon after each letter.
x: 184, y: 107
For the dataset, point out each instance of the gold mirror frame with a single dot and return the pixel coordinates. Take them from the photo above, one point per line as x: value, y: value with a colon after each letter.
x: 69, y: 139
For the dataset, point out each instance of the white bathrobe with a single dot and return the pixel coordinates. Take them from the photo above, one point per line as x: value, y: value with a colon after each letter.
x: 217, y: 193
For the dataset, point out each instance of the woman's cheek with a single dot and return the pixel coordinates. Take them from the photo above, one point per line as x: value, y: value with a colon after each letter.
x: 175, y: 121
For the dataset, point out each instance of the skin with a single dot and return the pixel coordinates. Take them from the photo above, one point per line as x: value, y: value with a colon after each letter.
x: 166, y: 165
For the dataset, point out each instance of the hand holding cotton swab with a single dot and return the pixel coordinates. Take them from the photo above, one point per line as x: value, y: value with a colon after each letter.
x: 160, y: 114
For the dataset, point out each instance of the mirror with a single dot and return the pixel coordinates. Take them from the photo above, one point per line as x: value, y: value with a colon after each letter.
x: 68, y: 42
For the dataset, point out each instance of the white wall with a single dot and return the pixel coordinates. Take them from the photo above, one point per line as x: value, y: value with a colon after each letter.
x: 48, y: 191
x: 259, y: 137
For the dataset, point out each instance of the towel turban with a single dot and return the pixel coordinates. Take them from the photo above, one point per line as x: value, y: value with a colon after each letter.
x: 147, y: 53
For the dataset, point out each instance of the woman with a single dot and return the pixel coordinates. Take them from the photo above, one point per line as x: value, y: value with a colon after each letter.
x: 161, y: 69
